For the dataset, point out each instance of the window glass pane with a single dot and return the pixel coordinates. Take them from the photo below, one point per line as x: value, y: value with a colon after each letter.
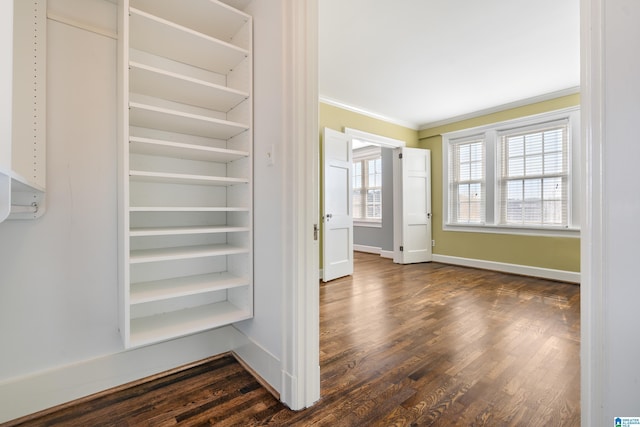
x: 465, y: 172
x: 515, y: 146
x: 553, y: 163
x: 532, y: 212
x: 477, y: 171
x: 553, y: 140
x: 553, y: 212
x: 464, y: 153
x: 516, y: 166
x: 514, y: 212
x: 533, y: 189
x: 476, y: 152
x: 533, y: 143
x: 357, y: 204
x: 514, y: 190
x: 552, y: 188
x: 533, y: 165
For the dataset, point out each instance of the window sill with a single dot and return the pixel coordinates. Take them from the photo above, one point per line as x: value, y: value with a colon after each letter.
x: 572, y: 232
x: 371, y: 224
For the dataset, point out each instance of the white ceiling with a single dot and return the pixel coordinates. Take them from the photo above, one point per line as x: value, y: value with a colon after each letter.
x: 418, y: 62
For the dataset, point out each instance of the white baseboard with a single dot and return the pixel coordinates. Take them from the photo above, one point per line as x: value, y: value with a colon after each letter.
x: 367, y: 249
x: 29, y: 394
x: 545, y: 273
x: 373, y: 250
x: 386, y: 254
x: 261, y: 361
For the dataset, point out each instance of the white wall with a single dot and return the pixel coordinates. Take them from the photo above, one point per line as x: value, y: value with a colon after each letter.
x: 58, y: 274
x: 264, y: 349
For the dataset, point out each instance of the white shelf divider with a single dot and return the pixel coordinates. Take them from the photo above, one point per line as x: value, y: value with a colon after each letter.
x: 157, y: 147
x: 151, y: 329
x: 178, y: 178
x: 148, y: 80
x: 186, y: 230
x: 149, y: 116
x: 184, y: 286
x: 169, y: 40
x: 183, y: 252
x: 209, y: 17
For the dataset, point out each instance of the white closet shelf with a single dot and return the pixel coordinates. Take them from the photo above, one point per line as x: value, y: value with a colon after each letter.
x: 157, y: 147
x: 147, y: 80
x: 149, y: 116
x: 155, y: 35
x: 209, y: 17
x: 187, y: 209
x: 147, y: 330
x: 184, y: 286
x: 176, y: 231
x: 178, y: 178
x: 184, y: 252
x: 21, y: 184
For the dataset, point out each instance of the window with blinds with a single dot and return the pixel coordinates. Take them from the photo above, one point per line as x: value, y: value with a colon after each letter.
x: 534, y: 175
x: 518, y: 176
x: 467, y: 181
x: 367, y: 184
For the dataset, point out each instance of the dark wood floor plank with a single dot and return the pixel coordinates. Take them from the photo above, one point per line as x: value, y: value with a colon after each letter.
x: 424, y: 344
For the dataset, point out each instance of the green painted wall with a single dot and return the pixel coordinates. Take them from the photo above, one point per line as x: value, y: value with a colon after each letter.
x: 337, y: 118
x: 546, y: 252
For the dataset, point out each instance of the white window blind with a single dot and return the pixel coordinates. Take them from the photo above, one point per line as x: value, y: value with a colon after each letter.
x: 367, y: 184
x: 467, y: 186
x: 533, y: 176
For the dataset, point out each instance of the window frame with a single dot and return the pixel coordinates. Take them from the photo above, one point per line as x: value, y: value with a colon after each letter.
x: 363, y: 156
x: 491, y: 134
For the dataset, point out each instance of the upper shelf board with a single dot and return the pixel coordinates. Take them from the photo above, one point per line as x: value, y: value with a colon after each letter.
x: 169, y: 40
x: 149, y: 116
x: 209, y: 17
x: 147, y: 80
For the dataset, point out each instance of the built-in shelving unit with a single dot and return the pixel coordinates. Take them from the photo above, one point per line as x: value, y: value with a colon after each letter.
x: 23, y: 109
x: 186, y: 168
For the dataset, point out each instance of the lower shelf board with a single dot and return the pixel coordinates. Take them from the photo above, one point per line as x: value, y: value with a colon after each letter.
x: 184, y: 252
x: 181, y: 286
x: 162, y: 327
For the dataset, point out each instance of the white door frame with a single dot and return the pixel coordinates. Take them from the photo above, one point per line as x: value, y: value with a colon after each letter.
x: 304, y: 268
x: 592, y: 239
x: 300, y: 364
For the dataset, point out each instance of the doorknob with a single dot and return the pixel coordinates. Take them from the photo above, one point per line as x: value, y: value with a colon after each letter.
x: 329, y: 216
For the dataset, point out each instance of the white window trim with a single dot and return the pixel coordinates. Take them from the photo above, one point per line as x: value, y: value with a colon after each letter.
x: 492, y: 204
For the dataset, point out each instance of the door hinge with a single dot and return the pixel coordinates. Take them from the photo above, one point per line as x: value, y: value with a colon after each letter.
x: 315, y: 231
x: 400, y: 155
x: 401, y: 248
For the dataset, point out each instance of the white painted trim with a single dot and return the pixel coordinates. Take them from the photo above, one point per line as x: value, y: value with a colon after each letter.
x: 379, y: 140
x: 367, y: 249
x: 525, y: 270
x: 301, y: 318
x: 41, y: 390
x: 340, y: 104
x: 264, y: 363
x: 503, y: 107
x: 386, y: 254
x: 592, y: 291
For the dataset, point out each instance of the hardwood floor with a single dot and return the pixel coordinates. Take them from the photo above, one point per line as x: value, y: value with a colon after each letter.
x: 424, y: 344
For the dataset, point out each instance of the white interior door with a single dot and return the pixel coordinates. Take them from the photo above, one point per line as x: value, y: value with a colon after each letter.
x: 337, y: 215
x: 412, y: 205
